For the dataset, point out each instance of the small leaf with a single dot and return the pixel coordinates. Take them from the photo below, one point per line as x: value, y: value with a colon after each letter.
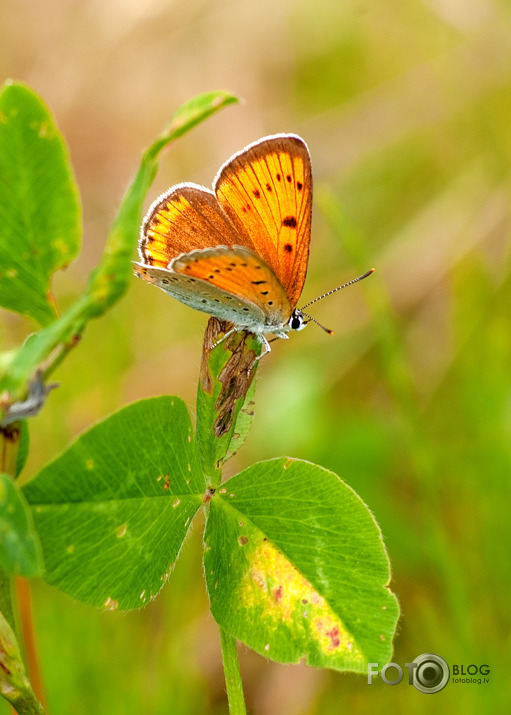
x: 225, y: 394
x: 191, y: 113
x: 113, y: 510
x: 40, y: 216
x: 22, y: 364
x: 243, y: 422
x: 296, y: 568
x: 19, y: 546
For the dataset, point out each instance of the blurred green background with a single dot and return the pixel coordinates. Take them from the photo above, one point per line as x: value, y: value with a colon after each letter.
x: 406, y: 108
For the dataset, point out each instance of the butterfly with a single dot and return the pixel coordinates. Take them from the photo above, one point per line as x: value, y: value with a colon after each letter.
x: 239, y: 252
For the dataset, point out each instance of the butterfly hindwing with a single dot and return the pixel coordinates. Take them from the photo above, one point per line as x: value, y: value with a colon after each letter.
x: 266, y: 190
x: 238, y: 272
x: 230, y: 283
x: 201, y: 295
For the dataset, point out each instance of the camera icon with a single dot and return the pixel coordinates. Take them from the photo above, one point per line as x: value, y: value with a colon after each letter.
x: 429, y: 673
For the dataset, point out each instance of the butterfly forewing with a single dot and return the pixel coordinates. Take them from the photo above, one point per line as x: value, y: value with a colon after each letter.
x: 186, y: 218
x: 266, y: 190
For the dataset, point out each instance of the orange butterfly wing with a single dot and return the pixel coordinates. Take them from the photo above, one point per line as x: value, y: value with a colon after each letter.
x: 186, y: 218
x: 240, y: 273
x: 266, y: 191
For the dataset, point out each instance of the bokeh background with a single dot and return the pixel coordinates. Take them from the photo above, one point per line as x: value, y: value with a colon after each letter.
x: 406, y: 108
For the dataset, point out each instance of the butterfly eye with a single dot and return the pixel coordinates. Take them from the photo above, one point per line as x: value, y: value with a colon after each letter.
x: 297, y: 321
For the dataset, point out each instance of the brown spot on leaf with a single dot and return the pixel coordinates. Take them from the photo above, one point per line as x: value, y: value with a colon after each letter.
x: 333, y: 634
x: 207, y: 496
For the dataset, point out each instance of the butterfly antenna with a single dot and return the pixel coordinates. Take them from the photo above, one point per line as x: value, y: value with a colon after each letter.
x: 330, y: 332
x: 345, y: 285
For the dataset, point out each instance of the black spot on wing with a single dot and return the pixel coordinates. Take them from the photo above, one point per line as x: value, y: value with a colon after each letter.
x: 289, y: 221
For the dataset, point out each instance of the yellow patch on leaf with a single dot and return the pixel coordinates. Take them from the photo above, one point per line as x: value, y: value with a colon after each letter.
x: 272, y: 584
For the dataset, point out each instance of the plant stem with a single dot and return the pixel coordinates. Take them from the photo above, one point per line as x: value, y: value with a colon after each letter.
x: 24, y: 603
x: 28, y: 706
x: 232, y: 672
x: 26, y: 702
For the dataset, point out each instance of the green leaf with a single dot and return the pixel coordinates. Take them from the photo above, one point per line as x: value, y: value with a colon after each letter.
x: 243, y: 423
x: 40, y: 216
x: 113, y: 510
x: 296, y: 567
x: 14, y: 684
x: 19, y: 546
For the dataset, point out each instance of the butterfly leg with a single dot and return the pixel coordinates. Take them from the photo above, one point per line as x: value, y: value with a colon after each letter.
x: 266, y: 344
x: 227, y: 334
x: 266, y: 347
